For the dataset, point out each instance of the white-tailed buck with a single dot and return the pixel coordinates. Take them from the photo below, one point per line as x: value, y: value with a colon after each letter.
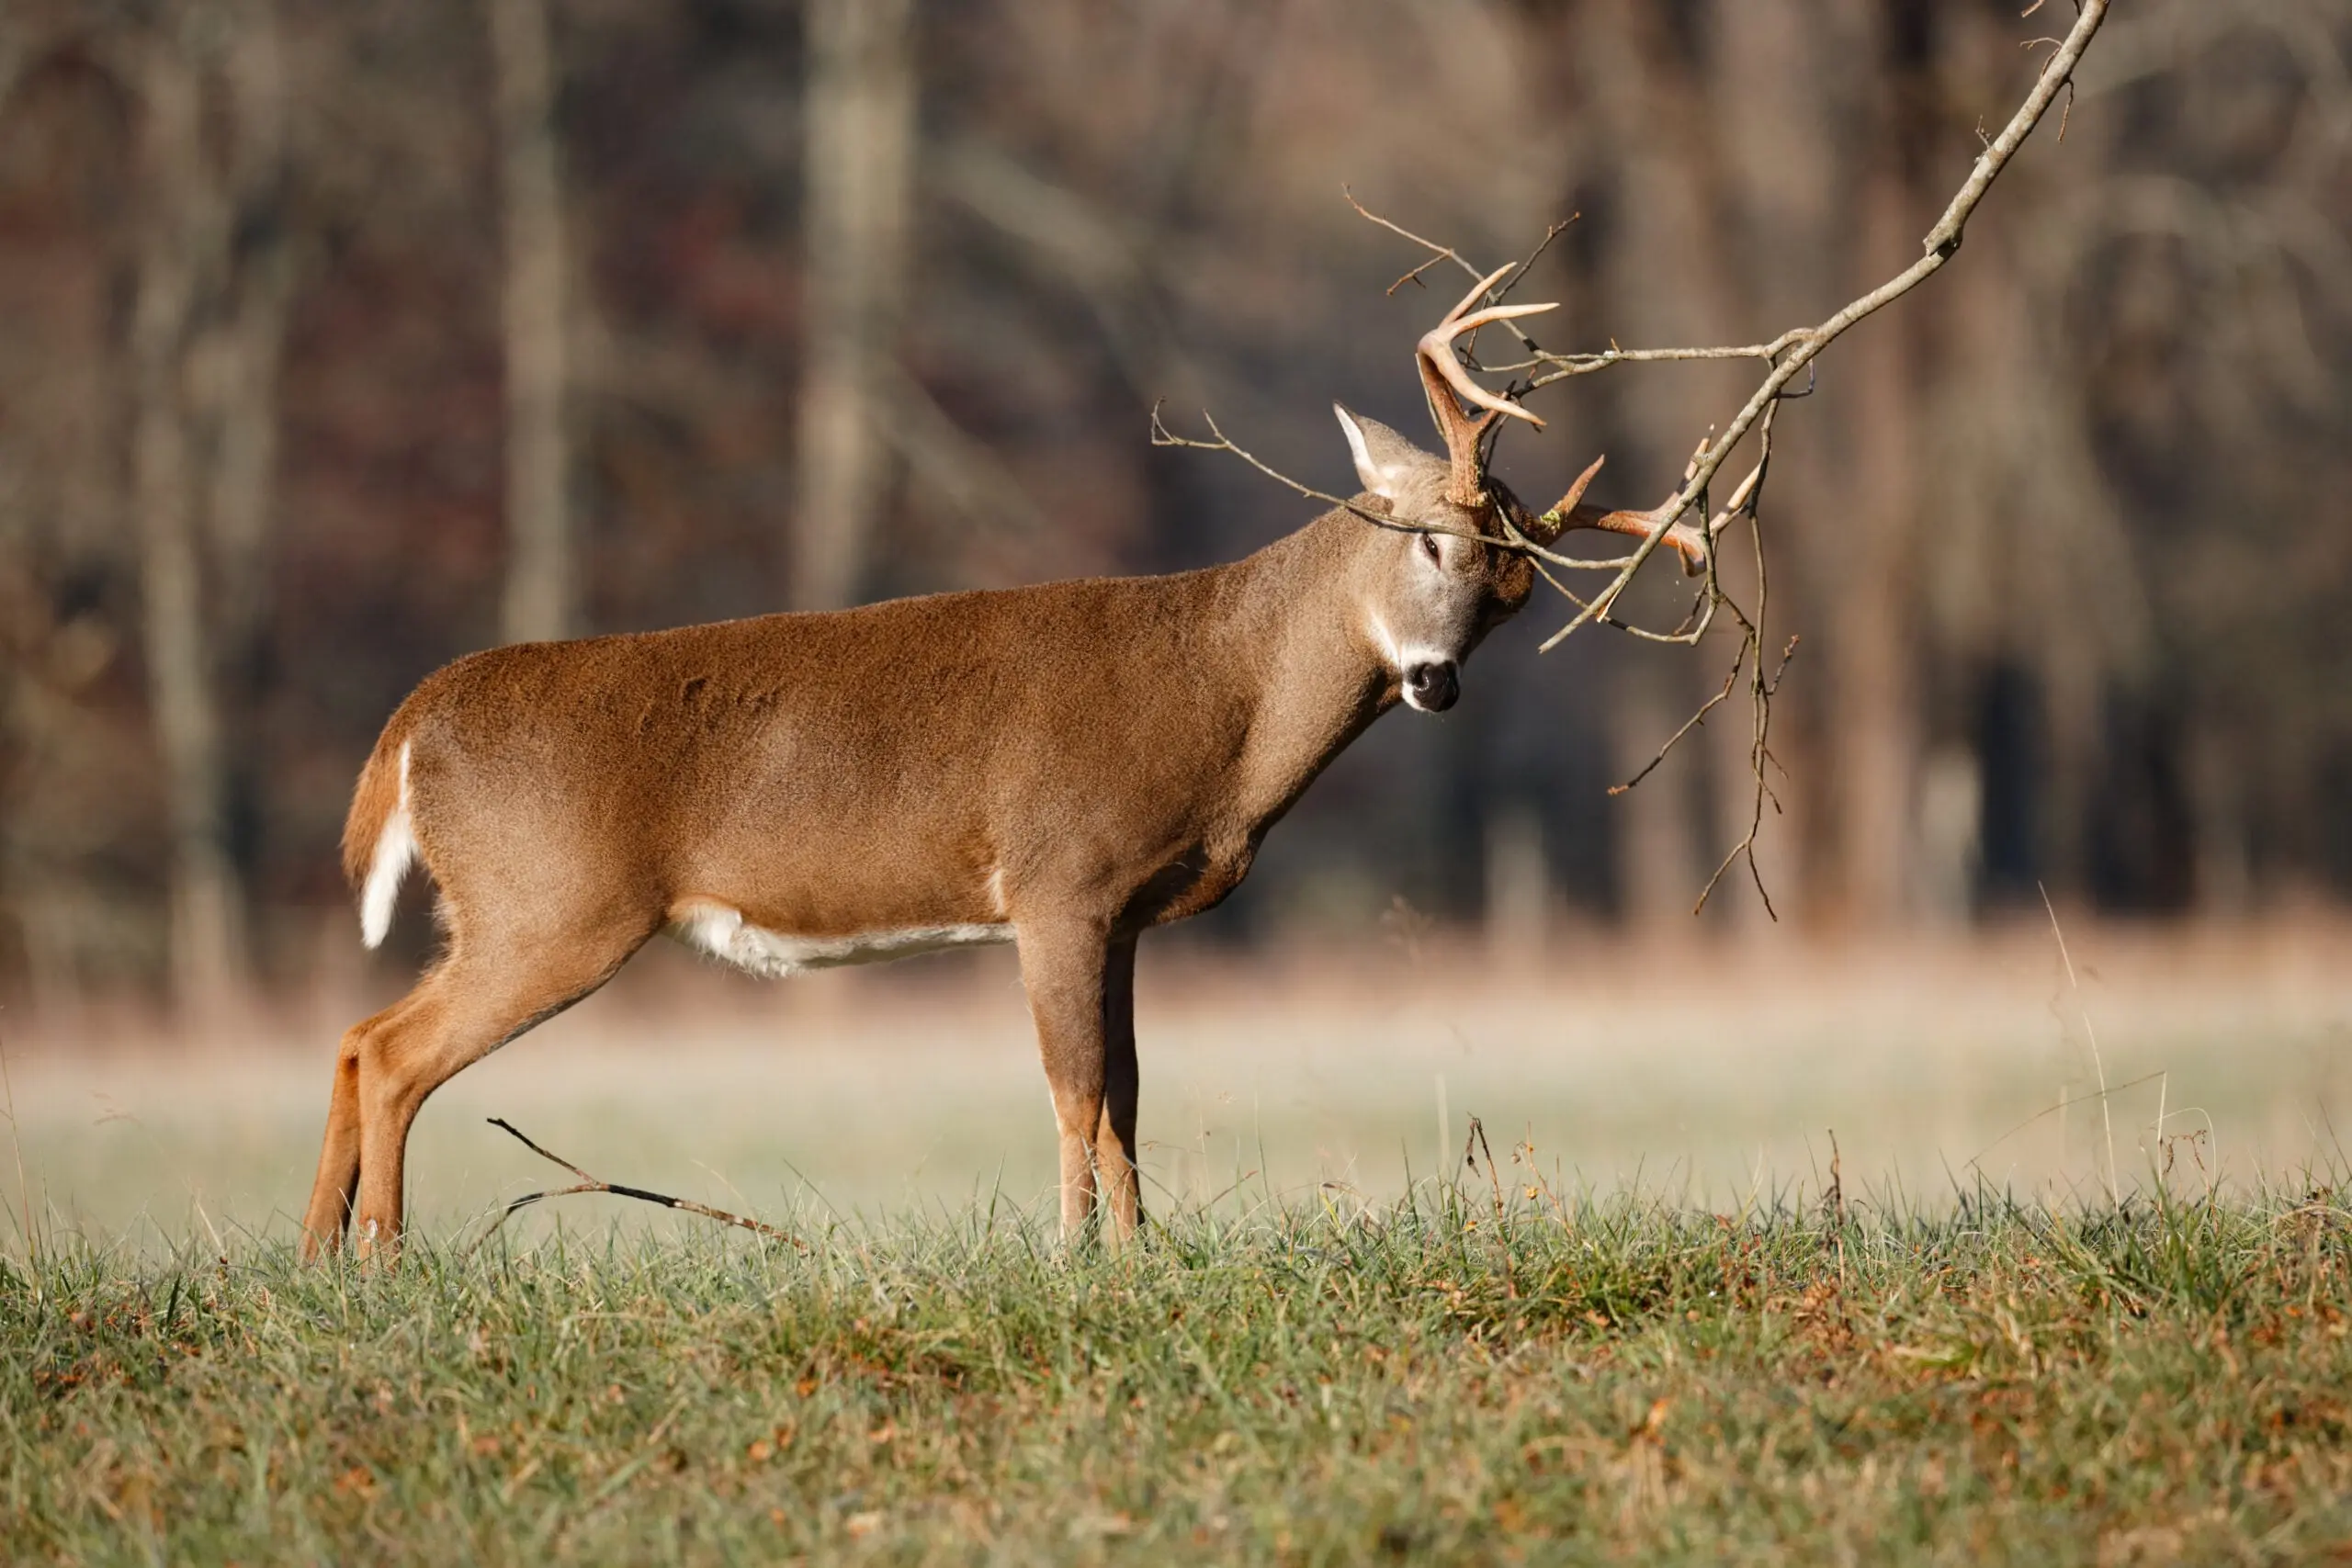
x: 1062, y: 767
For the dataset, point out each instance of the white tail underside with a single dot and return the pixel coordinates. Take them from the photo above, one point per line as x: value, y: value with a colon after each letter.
x: 395, y: 850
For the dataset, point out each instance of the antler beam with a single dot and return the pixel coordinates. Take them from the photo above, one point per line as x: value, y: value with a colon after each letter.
x: 1442, y: 377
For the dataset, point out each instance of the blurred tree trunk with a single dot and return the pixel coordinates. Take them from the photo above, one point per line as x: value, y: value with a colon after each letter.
x: 207, y: 928
x: 542, y: 597
x: 1658, y: 864
x: 236, y: 389
x: 243, y: 394
x: 1518, y: 895
x: 1669, y: 281
x: 1806, y: 143
x: 1777, y: 133
x: 860, y: 151
x: 249, y: 343
x: 1875, y: 737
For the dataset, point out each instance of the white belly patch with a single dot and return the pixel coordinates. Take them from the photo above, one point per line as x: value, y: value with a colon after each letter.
x: 721, y: 932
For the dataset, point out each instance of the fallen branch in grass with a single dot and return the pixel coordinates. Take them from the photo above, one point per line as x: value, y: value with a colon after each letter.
x: 593, y: 1184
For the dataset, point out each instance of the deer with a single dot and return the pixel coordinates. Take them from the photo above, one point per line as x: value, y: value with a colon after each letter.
x: 1062, y: 766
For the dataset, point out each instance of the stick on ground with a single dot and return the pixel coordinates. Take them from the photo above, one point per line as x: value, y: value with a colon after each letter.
x: 592, y: 1184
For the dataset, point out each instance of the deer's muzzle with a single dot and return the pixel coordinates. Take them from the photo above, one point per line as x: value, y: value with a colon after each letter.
x: 1432, y: 686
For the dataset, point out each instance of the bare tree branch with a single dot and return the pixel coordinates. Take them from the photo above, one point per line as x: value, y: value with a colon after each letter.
x: 1794, y: 350
x: 1941, y: 242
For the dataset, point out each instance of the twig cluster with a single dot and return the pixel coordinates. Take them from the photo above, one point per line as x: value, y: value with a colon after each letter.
x: 1794, y: 352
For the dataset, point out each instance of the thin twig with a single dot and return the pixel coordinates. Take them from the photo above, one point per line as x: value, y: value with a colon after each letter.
x: 2098, y: 1063
x: 1437, y: 253
x: 1762, y: 687
x: 1552, y: 233
x: 1976, y: 1160
x: 593, y: 1184
x: 1834, y: 1200
x: 1495, y: 1176
x: 1566, y: 366
x: 16, y: 1143
x: 1833, y: 1203
x: 1696, y: 719
x: 1760, y: 761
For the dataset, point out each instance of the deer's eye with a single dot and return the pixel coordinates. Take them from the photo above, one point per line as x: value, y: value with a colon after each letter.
x: 1429, y: 548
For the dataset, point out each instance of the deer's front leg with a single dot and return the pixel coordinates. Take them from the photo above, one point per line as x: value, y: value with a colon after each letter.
x: 1114, y: 1145
x: 1065, y: 968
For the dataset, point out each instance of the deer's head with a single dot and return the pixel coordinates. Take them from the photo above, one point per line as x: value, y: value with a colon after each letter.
x: 1441, y: 574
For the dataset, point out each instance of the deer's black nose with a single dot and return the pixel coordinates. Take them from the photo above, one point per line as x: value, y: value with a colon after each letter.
x: 1432, y: 687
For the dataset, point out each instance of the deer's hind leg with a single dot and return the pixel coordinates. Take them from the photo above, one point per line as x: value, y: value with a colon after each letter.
x: 337, y: 1184
x: 490, y: 988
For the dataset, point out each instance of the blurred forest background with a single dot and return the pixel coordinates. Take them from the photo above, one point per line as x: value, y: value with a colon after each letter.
x: 336, y: 340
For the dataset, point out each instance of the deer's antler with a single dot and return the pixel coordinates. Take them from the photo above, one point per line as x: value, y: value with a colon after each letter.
x: 1682, y: 538
x: 1571, y: 511
x: 1442, y: 377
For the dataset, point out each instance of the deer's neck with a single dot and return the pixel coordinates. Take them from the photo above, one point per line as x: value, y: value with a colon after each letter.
x: 1313, y: 677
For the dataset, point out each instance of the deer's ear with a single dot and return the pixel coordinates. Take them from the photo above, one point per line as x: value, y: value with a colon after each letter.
x: 1382, y: 458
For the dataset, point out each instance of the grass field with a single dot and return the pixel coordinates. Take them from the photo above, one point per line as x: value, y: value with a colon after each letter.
x: 2086, y: 1301
x: 1574, y: 1380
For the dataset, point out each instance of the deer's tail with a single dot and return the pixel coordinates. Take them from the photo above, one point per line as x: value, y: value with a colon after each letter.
x: 380, y: 836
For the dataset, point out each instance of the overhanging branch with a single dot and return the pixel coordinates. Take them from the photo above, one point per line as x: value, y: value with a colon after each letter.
x: 1791, y: 353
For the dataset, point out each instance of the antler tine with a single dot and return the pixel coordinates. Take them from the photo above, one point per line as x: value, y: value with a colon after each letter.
x: 1503, y: 313
x: 1439, y: 344
x: 1567, y: 502
x: 1683, y: 539
x: 1444, y: 378
x: 1572, y: 511
x: 1477, y: 292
